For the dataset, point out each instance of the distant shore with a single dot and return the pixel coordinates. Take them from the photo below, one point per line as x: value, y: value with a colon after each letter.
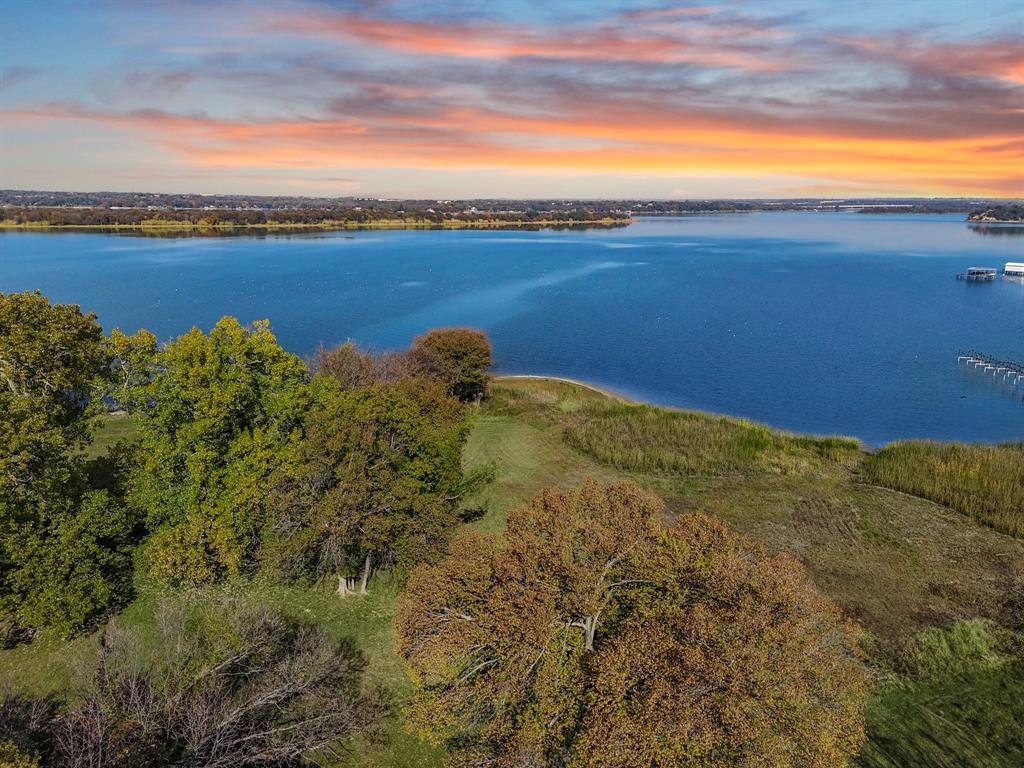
x: 326, y: 226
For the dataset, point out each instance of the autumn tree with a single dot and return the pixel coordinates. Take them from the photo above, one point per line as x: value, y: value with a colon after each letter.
x: 220, y: 413
x: 354, y: 367
x: 463, y: 358
x: 590, y: 635
x: 64, y: 547
x: 374, y: 483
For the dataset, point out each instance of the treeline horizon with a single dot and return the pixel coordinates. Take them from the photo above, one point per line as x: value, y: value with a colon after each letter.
x: 133, y: 208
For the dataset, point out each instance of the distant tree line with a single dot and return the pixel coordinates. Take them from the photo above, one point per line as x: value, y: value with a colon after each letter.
x: 133, y: 208
x: 590, y: 633
x: 95, y: 216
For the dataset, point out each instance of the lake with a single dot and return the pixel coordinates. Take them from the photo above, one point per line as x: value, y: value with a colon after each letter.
x: 815, y: 322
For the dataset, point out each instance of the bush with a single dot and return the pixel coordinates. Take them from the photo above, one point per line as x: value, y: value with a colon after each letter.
x: 219, y: 685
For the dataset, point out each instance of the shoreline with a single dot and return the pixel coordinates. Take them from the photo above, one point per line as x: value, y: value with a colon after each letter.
x: 864, y: 446
x: 337, y: 226
x: 609, y: 393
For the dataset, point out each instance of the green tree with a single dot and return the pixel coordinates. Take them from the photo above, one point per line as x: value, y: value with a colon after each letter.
x: 51, y: 360
x: 64, y: 550
x: 589, y: 635
x: 221, y: 413
x: 72, y: 571
x: 463, y: 359
x: 375, y: 483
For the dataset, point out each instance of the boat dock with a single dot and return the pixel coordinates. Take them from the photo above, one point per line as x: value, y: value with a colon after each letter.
x: 989, y: 274
x: 1007, y: 370
x: 978, y: 275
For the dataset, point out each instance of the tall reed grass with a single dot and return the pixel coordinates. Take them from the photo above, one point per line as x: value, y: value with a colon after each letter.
x: 985, y: 482
x: 646, y: 439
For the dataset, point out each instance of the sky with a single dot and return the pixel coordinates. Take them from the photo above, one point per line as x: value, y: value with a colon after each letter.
x: 516, y: 98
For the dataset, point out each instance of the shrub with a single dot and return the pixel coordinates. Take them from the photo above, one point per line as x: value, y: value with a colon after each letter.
x: 216, y: 684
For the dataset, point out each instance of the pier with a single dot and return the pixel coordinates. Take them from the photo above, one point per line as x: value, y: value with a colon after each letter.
x: 1006, y: 370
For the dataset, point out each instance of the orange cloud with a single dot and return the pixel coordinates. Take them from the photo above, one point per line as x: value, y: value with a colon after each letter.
x: 475, y: 138
x: 510, y: 42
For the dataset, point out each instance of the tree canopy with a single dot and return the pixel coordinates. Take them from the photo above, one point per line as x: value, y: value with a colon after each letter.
x: 65, y: 549
x: 51, y: 362
x: 591, y: 635
x: 221, y: 413
x: 463, y: 359
x: 374, y: 483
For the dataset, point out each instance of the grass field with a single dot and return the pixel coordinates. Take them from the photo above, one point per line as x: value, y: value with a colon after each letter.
x: 111, y: 429
x: 895, y: 563
x: 900, y: 565
x: 959, y: 702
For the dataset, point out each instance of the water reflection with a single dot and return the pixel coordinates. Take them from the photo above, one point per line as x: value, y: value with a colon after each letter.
x: 997, y: 230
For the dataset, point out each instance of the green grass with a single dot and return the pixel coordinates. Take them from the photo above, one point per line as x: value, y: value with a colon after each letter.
x: 986, y: 482
x: 110, y: 430
x: 959, y: 701
x: 642, y: 438
x: 527, y: 457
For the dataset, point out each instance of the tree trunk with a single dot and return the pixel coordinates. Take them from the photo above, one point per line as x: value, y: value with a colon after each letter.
x: 589, y: 630
x: 589, y: 626
x: 346, y: 585
x: 367, y: 570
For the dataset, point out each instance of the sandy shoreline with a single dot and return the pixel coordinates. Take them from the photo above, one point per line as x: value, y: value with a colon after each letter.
x: 609, y: 393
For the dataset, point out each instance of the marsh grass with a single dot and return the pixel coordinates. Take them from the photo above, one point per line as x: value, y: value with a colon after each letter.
x: 985, y: 482
x: 640, y: 438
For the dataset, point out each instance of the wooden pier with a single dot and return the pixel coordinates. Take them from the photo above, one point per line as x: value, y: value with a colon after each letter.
x: 1007, y: 370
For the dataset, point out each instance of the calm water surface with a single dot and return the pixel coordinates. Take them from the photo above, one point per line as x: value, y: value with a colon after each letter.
x: 825, y: 323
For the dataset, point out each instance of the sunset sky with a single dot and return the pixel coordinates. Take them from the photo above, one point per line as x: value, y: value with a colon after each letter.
x: 516, y: 99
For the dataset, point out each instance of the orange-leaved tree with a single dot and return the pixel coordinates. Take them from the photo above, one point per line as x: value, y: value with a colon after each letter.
x: 462, y: 357
x: 591, y: 635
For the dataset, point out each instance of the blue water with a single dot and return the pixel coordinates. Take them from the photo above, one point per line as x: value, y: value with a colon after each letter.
x: 824, y: 323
